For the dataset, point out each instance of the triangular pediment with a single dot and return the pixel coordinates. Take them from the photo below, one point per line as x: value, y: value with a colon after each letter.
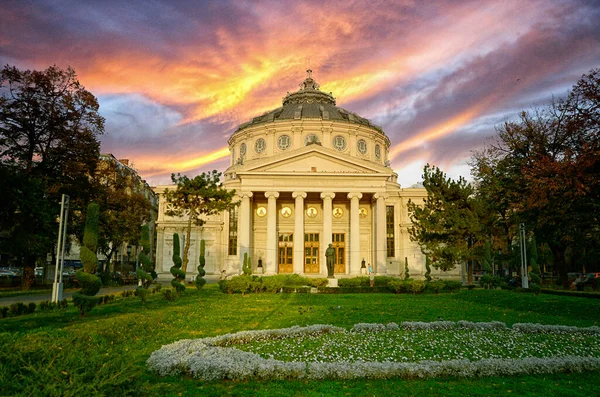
x: 316, y: 159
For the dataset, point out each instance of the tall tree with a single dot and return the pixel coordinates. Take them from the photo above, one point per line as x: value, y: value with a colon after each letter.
x: 49, y: 125
x: 446, y: 225
x: 197, y: 198
x: 125, y: 205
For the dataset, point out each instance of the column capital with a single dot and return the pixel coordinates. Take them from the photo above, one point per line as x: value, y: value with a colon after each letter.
x: 327, y: 195
x: 378, y: 196
x: 354, y: 195
x: 299, y: 194
x: 271, y: 194
x: 245, y: 194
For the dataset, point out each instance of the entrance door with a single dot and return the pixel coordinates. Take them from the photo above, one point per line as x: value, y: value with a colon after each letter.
x: 338, y: 241
x: 311, y: 253
x: 286, y: 253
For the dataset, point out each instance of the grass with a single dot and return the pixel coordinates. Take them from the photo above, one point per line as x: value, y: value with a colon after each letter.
x: 104, y: 353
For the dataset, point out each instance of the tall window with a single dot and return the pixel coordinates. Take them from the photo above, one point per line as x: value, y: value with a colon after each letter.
x: 389, y: 230
x: 233, y: 230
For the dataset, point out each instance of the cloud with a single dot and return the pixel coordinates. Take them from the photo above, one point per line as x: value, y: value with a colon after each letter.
x: 175, y: 78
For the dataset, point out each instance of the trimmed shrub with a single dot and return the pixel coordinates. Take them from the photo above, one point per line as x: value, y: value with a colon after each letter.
x: 452, y: 285
x: 84, y: 303
x: 382, y: 280
x: 435, y: 286
x: 142, y: 293
x: 398, y: 286
x: 168, y: 294
x: 416, y: 286
x: 16, y: 309
x: 4, y: 311
x: 200, y: 281
x: 318, y: 282
x: 178, y: 274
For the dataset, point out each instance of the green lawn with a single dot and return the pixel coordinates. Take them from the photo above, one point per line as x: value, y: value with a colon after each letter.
x: 104, y: 353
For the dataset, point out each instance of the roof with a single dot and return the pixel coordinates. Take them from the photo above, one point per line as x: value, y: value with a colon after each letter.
x: 309, y: 103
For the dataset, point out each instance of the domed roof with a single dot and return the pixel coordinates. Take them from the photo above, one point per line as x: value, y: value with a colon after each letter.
x: 309, y: 103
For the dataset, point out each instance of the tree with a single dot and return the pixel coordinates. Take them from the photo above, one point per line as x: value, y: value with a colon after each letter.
x: 144, y: 272
x: 85, y: 299
x: 125, y: 205
x: 90, y: 240
x: 49, y: 126
x: 178, y: 274
x: 446, y: 226
x: 197, y: 198
x: 545, y: 166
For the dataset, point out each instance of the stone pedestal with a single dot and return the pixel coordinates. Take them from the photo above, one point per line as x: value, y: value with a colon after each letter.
x: 332, y: 282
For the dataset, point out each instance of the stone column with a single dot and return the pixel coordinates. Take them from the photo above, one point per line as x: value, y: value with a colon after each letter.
x: 271, y: 248
x: 244, y: 227
x: 354, y: 265
x: 327, y: 198
x: 299, y: 231
x: 380, y: 241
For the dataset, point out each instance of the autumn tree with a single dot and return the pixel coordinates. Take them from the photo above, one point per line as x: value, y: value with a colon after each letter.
x: 125, y: 205
x: 197, y: 198
x: 446, y: 225
x: 49, y: 128
x: 543, y: 170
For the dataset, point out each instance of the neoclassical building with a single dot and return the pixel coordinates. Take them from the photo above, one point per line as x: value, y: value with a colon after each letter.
x: 307, y: 174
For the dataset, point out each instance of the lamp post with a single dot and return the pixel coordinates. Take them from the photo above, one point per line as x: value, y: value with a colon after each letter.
x: 524, y: 280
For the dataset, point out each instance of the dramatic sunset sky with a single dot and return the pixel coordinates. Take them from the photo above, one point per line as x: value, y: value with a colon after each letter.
x: 175, y: 78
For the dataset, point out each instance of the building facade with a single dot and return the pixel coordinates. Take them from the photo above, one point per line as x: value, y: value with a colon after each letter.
x: 306, y: 175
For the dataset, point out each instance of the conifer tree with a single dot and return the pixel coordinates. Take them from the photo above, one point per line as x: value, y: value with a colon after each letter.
x: 178, y: 274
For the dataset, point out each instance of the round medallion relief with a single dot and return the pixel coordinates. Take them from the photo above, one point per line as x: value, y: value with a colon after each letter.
x: 362, y: 212
x: 261, y: 211
x: 260, y: 145
x: 284, y: 142
x: 311, y: 212
x: 286, y: 212
x: 339, y: 142
x: 338, y: 212
x: 361, y: 145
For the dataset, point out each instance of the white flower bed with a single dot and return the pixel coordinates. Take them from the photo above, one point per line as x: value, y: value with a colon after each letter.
x: 213, y: 359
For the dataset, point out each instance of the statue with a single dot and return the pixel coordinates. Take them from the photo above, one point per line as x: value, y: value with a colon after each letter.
x: 330, y: 255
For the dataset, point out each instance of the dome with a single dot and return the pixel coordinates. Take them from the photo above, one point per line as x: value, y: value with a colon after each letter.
x: 309, y: 103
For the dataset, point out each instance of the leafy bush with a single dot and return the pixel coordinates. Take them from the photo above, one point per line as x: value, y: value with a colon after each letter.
x: 4, y: 311
x: 435, y: 286
x: 241, y: 284
x: 416, y: 286
x: 30, y: 308
x: 352, y: 282
x: 168, y: 295
x: 16, y: 309
x: 452, y: 285
x: 535, y: 288
x: 156, y: 288
x: 317, y: 282
x: 382, y: 280
x: 84, y: 303
x: 142, y: 293
x: 398, y: 286
x: 90, y: 284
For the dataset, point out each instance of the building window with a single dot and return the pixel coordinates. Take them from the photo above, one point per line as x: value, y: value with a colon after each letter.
x: 377, y: 152
x: 389, y: 230
x: 233, y: 230
x: 339, y: 142
x: 283, y: 142
x: 260, y: 145
x: 243, y: 149
x: 362, y: 146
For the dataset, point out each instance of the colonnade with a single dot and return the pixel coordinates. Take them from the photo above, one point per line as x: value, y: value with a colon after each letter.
x: 378, y: 219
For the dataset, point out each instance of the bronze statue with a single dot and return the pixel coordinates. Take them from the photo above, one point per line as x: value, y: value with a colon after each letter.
x: 330, y: 255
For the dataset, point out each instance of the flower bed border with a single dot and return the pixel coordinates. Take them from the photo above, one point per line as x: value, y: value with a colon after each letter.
x: 212, y: 358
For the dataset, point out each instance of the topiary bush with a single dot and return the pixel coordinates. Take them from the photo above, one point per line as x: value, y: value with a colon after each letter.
x: 428, y: 269
x: 406, y: 273
x: 178, y: 274
x: 84, y: 299
x: 200, y: 281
